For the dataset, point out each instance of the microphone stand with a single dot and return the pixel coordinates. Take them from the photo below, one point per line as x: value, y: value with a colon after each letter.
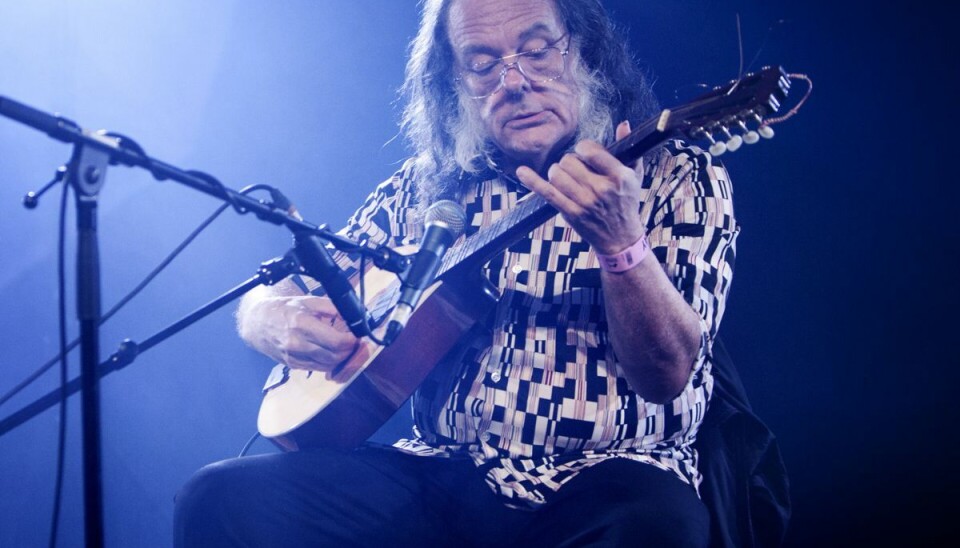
x: 86, y: 171
x: 121, y: 150
x: 269, y: 273
x: 93, y: 151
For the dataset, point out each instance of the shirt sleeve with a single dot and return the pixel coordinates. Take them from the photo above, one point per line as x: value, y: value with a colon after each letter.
x: 692, y: 229
x: 385, y: 218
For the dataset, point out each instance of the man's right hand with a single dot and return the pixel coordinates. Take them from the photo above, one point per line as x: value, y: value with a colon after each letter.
x: 302, y: 331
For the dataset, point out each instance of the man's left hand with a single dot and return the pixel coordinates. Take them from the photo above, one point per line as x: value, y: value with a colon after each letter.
x: 597, y: 194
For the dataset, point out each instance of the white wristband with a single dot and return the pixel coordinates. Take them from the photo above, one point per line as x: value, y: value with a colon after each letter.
x: 626, y: 259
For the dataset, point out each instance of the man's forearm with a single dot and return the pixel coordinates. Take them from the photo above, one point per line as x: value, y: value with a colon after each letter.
x: 654, y: 332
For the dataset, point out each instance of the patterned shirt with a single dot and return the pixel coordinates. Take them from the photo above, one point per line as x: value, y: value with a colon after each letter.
x: 540, y: 395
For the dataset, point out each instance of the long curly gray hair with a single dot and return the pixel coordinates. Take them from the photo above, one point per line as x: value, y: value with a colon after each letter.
x: 447, y: 140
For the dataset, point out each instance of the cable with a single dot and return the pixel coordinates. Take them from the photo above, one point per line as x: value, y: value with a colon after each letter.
x: 246, y: 446
x: 62, y: 324
x: 363, y: 298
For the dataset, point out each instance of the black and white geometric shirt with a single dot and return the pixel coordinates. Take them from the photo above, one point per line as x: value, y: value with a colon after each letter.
x: 541, y: 395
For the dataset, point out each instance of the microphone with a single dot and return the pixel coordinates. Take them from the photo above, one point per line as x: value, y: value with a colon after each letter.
x: 445, y: 221
x: 318, y: 264
x: 316, y: 261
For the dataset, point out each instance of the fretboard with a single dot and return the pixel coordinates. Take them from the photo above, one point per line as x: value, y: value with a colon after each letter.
x: 529, y: 212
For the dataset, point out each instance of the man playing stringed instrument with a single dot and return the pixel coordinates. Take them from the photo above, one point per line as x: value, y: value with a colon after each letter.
x: 569, y: 417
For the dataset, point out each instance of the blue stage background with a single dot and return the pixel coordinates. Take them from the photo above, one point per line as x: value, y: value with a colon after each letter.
x: 839, y: 319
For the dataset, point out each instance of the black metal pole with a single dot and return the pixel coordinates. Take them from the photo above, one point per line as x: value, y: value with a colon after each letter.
x: 87, y: 173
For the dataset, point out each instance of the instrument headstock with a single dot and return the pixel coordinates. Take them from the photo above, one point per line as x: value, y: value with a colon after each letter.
x: 725, y: 117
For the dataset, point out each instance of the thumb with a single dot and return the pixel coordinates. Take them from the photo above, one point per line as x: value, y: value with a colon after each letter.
x: 623, y: 129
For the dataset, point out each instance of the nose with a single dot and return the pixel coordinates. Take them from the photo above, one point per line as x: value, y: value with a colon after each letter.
x: 512, y: 78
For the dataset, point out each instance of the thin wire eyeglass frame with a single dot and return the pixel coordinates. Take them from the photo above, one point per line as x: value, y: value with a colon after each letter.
x: 517, y: 64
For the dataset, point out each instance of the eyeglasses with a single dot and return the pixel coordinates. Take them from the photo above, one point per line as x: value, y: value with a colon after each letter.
x: 481, y: 80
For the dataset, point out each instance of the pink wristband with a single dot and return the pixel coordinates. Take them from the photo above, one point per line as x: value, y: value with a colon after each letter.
x: 626, y: 259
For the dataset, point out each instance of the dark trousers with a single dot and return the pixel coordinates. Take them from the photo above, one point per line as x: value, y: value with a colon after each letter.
x: 382, y: 497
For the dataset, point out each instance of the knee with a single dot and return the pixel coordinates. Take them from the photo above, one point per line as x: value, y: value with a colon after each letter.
x: 645, y: 524
x: 205, y: 506
x: 625, y: 503
x: 207, y: 486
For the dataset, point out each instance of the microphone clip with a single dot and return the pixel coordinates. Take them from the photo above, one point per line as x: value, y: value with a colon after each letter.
x: 391, y: 261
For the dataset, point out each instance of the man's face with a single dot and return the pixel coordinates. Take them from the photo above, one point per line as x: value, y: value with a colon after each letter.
x: 529, y: 122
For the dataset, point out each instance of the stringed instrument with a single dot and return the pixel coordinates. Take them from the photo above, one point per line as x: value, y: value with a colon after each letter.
x: 341, y: 409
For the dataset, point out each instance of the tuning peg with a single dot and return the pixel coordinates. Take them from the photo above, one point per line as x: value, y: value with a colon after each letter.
x: 717, y: 148
x: 765, y: 131
x: 749, y: 136
x: 733, y: 141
